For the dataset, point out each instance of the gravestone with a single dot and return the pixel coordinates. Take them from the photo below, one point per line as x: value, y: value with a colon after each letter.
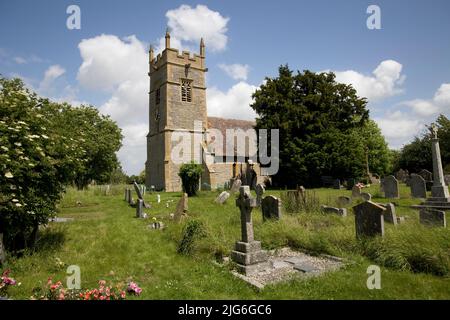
x: 390, y: 186
x: 182, y: 208
x: 235, y: 186
x: 339, y: 211
x: 271, y: 208
x: 369, y: 221
x: 139, y: 208
x: 248, y: 255
x: 400, y: 220
x: 156, y: 225
x: 356, y: 191
x: 337, y: 184
x: 158, y: 198
x: 389, y: 214
x: 130, y: 197
x: 343, y: 201
x: 432, y: 217
x: 2, y: 251
x: 140, y: 195
x: 418, y: 186
x: 126, y: 195
x: 426, y: 175
x: 259, y: 193
x: 222, y: 197
x: 366, y: 196
x: 401, y: 175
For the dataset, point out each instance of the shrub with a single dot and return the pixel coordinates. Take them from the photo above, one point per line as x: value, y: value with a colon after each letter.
x: 190, y: 177
x: 193, y: 231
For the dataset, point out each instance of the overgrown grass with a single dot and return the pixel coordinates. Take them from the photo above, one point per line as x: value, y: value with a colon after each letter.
x: 107, y: 242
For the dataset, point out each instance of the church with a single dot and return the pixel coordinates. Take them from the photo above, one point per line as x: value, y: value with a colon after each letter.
x: 177, y: 102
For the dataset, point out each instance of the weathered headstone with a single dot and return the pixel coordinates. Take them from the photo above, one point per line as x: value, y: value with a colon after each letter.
x: 389, y: 214
x: 356, y: 191
x: 2, y: 251
x: 432, y: 217
x: 248, y: 255
x: 182, y: 207
x: 369, y: 221
x: 259, y: 193
x: 222, y: 197
x: 418, y: 187
x: 158, y: 198
x: 366, y: 196
x: 391, y: 188
x: 426, y: 175
x: 401, y: 175
x: 139, y: 208
x: 343, y: 201
x: 139, y: 193
x: 400, y: 220
x: 337, y: 184
x: 130, y: 197
x: 126, y: 195
x: 271, y: 208
x: 235, y: 186
x: 339, y: 211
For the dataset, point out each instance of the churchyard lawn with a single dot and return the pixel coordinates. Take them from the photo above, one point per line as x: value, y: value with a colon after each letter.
x: 108, y: 243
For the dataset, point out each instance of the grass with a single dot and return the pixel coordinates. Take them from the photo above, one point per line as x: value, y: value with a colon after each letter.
x: 108, y: 243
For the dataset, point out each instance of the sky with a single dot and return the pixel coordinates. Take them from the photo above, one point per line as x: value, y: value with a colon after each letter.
x: 402, y: 67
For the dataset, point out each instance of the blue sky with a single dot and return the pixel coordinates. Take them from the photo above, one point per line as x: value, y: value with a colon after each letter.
x: 403, y: 68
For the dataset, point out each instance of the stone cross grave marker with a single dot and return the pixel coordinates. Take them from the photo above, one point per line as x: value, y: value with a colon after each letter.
x: 235, y: 186
x: 259, y: 193
x: 391, y: 189
x: 248, y: 254
x: 369, y: 221
x: 138, y: 190
x: 432, y: 217
x: 418, y: 186
x: 222, y: 197
x: 271, y: 208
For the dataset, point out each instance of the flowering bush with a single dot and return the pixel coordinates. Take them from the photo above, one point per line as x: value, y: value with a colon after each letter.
x: 56, y: 291
x: 5, y: 283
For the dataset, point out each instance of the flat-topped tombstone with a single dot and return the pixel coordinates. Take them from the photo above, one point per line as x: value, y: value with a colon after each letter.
x: 343, y: 201
x: 369, y: 221
x: 235, y: 186
x: 259, y: 193
x: 356, y: 191
x: 182, y: 207
x: 418, y: 186
x: 389, y: 214
x: 432, y: 218
x: 426, y: 175
x: 222, y: 197
x: 248, y: 255
x: 390, y: 187
x: 366, y: 196
x: 271, y: 208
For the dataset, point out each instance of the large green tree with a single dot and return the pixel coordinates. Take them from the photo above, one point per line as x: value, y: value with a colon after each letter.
x: 324, y: 128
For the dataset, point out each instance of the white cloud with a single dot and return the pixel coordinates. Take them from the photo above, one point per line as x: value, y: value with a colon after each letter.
x: 109, y: 61
x: 385, y: 81
x: 234, y: 104
x: 189, y: 25
x: 399, y: 128
x: 51, y: 74
x: 20, y: 60
x: 236, y: 71
x: 120, y: 66
x: 440, y: 103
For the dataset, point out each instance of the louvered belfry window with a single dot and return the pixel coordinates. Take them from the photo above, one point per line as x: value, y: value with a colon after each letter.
x: 186, y: 90
x: 158, y: 96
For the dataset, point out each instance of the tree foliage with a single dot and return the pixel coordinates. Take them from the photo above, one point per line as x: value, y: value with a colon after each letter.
x: 324, y: 128
x: 43, y: 147
x: 190, y: 177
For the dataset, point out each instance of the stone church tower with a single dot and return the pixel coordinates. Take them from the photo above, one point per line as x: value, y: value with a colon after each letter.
x: 177, y: 99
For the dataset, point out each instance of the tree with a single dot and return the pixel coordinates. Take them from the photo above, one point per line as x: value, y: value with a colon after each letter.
x: 322, y: 126
x: 190, y: 177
